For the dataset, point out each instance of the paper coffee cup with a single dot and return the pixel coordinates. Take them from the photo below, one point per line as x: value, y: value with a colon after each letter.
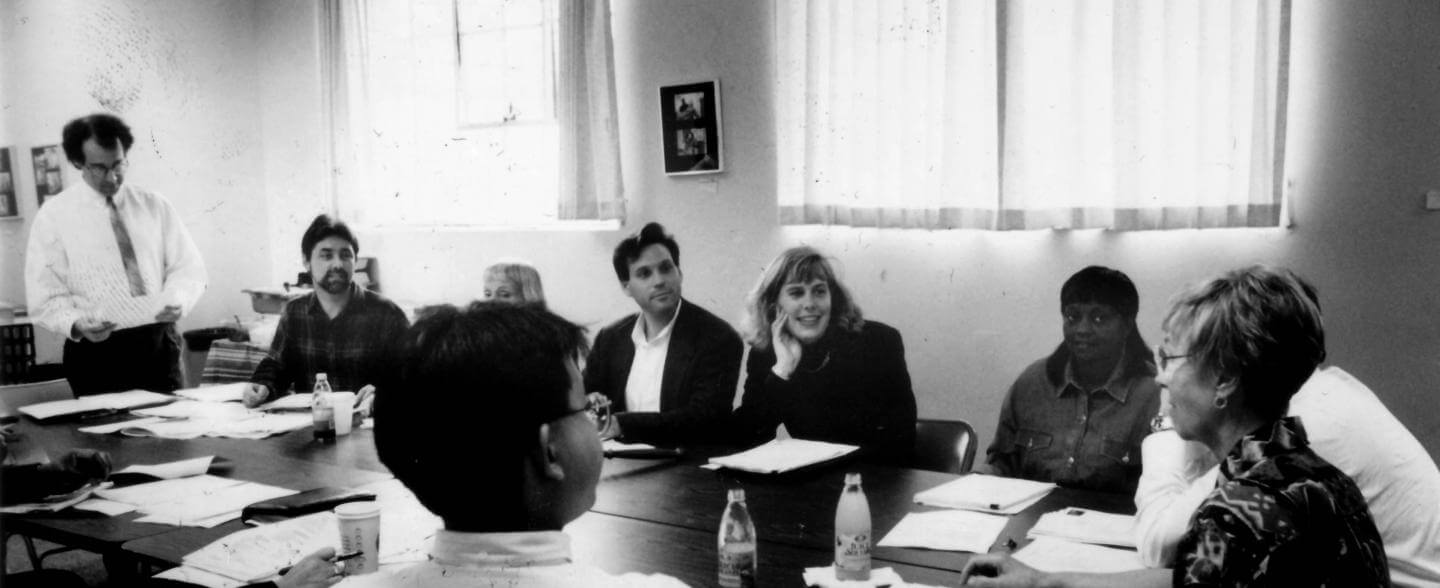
x: 360, y: 532
x: 344, y: 404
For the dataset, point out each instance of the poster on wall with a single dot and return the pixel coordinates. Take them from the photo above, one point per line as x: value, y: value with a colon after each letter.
x: 9, y: 207
x: 48, y: 179
x: 690, y: 123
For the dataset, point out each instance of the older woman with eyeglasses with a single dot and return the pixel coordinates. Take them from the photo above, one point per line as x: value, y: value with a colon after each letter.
x: 1236, y: 349
x: 818, y: 367
x: 1078, y: 417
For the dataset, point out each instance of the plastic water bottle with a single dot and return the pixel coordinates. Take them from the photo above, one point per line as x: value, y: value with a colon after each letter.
x: 322, y: 411
x: 852, y: 532
x: 738, y: 558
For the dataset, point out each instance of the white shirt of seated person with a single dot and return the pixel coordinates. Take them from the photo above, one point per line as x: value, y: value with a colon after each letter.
x: 1349, y: 427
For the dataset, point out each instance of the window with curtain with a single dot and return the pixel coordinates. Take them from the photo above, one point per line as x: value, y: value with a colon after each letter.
x: 472, y: 112
x: 1030, y: 114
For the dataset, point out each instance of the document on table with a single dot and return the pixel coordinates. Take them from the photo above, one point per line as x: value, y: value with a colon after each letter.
x: 175, y: 469
x: 300, y: 401
x: 191, y: 419
x: 260, y: 552
x: 197, y: 501
x: 1049, y: 554
x: 199, y: 577
x: 57, y: 502
x: 113, y: 427
x: 946, y: 530
x: 984, y: 493
x: 780, y: 456
x: 218, y: 393
x: 192, y: 409
x: 1087, y: 526
x: 115, y: 401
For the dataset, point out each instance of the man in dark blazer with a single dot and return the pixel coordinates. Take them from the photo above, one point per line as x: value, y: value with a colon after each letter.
x: 668, y: 371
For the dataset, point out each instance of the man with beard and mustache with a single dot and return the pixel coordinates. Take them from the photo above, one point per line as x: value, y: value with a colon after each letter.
x: 110, y: 267
x: 668, y: 371
x: 340, y: 329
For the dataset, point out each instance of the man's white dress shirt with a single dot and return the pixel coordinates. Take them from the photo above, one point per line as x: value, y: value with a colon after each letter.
x: 536, y: 559
x: 1349, y: 427
x: 647, y: 370
x: 73, y: 267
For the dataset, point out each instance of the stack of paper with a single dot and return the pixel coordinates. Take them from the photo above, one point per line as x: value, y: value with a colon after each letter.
x: 946, y: 530
x: 783, y: 455
x: 98, y: 403
x: 1087, y: 526
x: 188, y: 419
x: 299, y: 402
x: 219, y: 393
x: 258, y: 553
x: 199, y: 501
x: 1049, y: 554
x: 986, y: 494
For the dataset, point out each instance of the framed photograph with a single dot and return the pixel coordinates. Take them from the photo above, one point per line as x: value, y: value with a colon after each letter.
x: 690, y: 128
x: 48, y: 179
x: 9, y: 207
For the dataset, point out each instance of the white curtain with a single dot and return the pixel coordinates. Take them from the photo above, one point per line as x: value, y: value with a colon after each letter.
x: 886, y: 113
x: 590, y: 185
x: 343, y: 71
x: 1031, y: 114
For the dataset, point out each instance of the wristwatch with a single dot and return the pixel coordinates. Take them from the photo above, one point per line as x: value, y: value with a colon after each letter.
x: 1161, y: 422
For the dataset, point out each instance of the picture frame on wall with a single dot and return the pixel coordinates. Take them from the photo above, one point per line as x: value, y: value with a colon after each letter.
x: 9, y: 206
x: 49, y: 181
x: 690, y: 128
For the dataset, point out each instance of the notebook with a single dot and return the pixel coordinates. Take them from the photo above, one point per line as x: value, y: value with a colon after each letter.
x: 983, y: 493
x: 783, y: 455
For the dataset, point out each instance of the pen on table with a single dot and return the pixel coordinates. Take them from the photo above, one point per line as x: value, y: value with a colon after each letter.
x: 994, y: 506
x: 338, y: 559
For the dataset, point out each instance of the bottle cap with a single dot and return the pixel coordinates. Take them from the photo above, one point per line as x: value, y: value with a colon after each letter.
x: 852, y: 479
x: 737, y: 495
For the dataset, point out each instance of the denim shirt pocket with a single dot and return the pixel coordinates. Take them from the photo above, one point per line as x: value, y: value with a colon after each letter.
x: 1029, y: 441
x: 1120, y: 451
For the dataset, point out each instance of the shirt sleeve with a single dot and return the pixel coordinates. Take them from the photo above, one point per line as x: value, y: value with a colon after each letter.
x: 1000, y: 457
x: 185, y: 277
x: 895, y: 433
x: 46, y: 269
x: 1173, y: 483
x: 271, y: 371
x: 759, y: 411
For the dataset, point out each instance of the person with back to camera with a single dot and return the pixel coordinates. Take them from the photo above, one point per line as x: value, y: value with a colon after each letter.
x: 515, y: 282
x: 504, y: 490
x: 1236, y: 349
x: 819, y: 368
x: 1077, y: 417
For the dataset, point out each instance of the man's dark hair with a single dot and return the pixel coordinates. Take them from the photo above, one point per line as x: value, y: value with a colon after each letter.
x: 107, y: 129
x: 630, y: 248
x: 469, y: 390
x: 324, y: 227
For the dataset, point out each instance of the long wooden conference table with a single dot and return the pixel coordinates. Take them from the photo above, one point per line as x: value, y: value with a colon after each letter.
x: 650, y: 515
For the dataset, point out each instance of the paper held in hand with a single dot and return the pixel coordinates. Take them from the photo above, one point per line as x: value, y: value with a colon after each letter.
x: 979, y: 492
x: 783, y: 455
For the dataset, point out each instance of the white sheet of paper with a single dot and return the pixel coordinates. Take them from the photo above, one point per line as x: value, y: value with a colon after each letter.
x: 199, y: 577
x: 111, y: 401
x: 211, y: 508
x: 1087, y: 526
x: 946, y: 530
x: 174, y: 469
x: 1049, y: 554
x: 613, y: 445
x: 113, y: 427
x: 192, y: 409
x: 108, y: 508
x: 984, y: 493
x: 299, y: 401
x: 826, y: 577
x: 260, y: 552
x: 131, y: 312
x: 167, y: 490
x: 217, y: 393
x: 783, y: 455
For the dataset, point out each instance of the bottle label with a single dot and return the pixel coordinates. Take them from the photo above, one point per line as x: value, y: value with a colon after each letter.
x: 852, y: 556
x: 737, y: 565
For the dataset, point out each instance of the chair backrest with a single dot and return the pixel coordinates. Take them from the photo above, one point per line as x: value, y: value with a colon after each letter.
x: 944, y: 446
x: 14, y: 396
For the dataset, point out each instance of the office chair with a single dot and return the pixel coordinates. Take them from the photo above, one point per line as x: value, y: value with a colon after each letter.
x: 944, y: 446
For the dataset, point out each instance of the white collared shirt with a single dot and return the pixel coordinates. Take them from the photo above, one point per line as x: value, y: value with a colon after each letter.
x: 523, y: 559
x: 73, y: 267
x: 647, y: 371
x: 1349, y: 427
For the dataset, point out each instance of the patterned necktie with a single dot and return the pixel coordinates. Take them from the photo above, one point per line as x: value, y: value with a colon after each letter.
x: 127, y: 250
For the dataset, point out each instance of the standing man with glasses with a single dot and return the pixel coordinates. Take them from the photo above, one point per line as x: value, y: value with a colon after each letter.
x: 1077, y: 417
x: 111, y: 267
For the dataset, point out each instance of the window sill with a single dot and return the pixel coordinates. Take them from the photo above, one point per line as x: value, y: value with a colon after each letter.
x: 593, y: 226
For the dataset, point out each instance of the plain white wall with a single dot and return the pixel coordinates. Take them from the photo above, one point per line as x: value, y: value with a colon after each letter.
x: 975, y: 307
x: 183, y: 75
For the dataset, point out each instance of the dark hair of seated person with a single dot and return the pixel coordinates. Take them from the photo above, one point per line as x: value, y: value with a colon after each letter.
x: 1102, y: 285
x: 470, y: 389
x: 630, y: 248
